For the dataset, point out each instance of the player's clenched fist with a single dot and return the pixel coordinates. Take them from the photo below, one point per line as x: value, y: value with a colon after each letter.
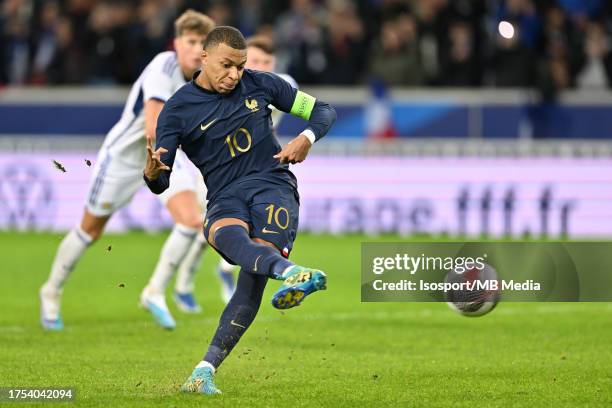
x: 295, y: 151
x: 154, y: 165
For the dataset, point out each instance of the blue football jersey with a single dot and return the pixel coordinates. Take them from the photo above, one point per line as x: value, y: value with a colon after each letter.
x: 228, y: 137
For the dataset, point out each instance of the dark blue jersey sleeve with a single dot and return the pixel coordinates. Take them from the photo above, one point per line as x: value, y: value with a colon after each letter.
x: 320, y: 115
x: 282, y: 94
x: 168, y: 135
x: 321, y: 119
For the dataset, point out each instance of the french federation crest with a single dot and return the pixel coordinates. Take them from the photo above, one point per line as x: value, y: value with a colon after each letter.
x: 251, y: 104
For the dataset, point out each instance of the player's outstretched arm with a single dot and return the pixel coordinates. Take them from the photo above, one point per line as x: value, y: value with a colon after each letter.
x: 159, y: 162
x: 154, y: 166
x: 320, y: 115
x: 152, y: 109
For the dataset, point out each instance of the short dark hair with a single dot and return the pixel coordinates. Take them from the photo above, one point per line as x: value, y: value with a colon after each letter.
x: 225, y: 35
x: 262, y: 42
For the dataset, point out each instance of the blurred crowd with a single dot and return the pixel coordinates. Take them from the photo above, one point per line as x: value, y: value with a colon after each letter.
x: 553, y: 44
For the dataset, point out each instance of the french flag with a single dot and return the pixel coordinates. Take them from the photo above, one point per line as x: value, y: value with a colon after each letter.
x: 378, y: 117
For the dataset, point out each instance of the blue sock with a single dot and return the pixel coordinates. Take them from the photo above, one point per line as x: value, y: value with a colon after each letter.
x: 235, y: 244
x: 237, y: 316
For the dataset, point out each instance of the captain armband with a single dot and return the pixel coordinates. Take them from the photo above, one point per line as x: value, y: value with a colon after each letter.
x: 303, y: 105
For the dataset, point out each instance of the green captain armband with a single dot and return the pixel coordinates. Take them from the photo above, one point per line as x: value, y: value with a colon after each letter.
x: 302, y: 105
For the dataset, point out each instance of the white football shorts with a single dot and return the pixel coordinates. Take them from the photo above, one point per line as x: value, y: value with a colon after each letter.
x: 114, y: 183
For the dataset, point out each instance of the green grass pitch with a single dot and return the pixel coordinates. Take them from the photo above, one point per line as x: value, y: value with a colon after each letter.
x: 331, y: 351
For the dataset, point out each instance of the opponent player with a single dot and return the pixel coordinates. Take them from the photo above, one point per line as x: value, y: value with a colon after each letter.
x: 222, y: 122
x: 118, y: 176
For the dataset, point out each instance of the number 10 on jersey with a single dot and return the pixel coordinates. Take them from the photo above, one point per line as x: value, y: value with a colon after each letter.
x: 236, y: 141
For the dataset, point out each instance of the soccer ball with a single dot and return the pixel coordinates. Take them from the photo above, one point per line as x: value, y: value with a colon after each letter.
x: 481, y: 299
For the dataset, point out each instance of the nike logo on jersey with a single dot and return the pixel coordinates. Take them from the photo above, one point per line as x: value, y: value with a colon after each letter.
x: 206, y: 126
x: 233, y: 323
x: 267, y: 231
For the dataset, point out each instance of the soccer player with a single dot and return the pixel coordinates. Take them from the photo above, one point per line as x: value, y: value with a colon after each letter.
x: 260, y: 57
x: 117, y: 176
x: 222, y: 122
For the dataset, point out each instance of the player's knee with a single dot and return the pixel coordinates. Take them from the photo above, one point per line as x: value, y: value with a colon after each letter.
x: 224, y: 222
x: 266, y: 243
x: 94, y: 232
x: 191, y: 220
x: 93, y: 226
x: 195, y: 222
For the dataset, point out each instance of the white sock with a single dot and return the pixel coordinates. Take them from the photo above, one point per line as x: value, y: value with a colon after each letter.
x: 284, y: 274
x: 206, y: 364
x: 172, y: 254
x: 189, y: 266
x: 225, y: 267
x: 68, y: 254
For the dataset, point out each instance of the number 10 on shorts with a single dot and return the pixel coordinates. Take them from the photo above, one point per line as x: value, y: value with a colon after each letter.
x: 280, y: 215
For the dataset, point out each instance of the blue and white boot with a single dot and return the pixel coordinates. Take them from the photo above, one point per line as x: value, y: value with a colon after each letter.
x: 186, y: 302
x: 299, y: 282
x: 201, y: 381
x: 50, y: 317
x: 155, y: 302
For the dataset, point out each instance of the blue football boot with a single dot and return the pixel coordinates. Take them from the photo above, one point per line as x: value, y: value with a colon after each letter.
x: 201, y: 381
x: 155, y: 303
x: 50, y: 317
x: 186, y: 302
x: 299, y: 283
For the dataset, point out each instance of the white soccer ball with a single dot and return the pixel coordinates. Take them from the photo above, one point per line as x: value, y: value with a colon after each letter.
x: 478, y: 301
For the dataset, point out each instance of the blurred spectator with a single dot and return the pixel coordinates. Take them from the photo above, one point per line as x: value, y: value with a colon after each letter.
x: 344, y: 45
x: 220, y: 12
x: 67, y: 64
x: 112, y: 41
x: 556, y: 44
x: 395, y: 57
x: 432, y: 20
x: 299, y: 36
x: 460, y: 64
x: 582, y: 9
x: 595, y: 70
x: 523, y: 14
x: 152, y: 31
x: 16, y: 27
x: 513, y: 63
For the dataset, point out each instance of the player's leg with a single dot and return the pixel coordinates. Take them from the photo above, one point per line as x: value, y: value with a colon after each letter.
x: 70, y: 250
x: 188, y: 222
x: 111, y: 187
x: 72, y: 247
x: 235, y: 320
x: 273, y: 215
x: 259, y: 259
x: 274, y: 219
x: 185, y: 200
x: 184, y: 286
x: 230, y: 236
x: 225, y: 272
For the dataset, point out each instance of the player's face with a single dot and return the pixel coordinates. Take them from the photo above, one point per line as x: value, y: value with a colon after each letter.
x: 188, y: 50
x: 260, y: 60
x: 223, y: 67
